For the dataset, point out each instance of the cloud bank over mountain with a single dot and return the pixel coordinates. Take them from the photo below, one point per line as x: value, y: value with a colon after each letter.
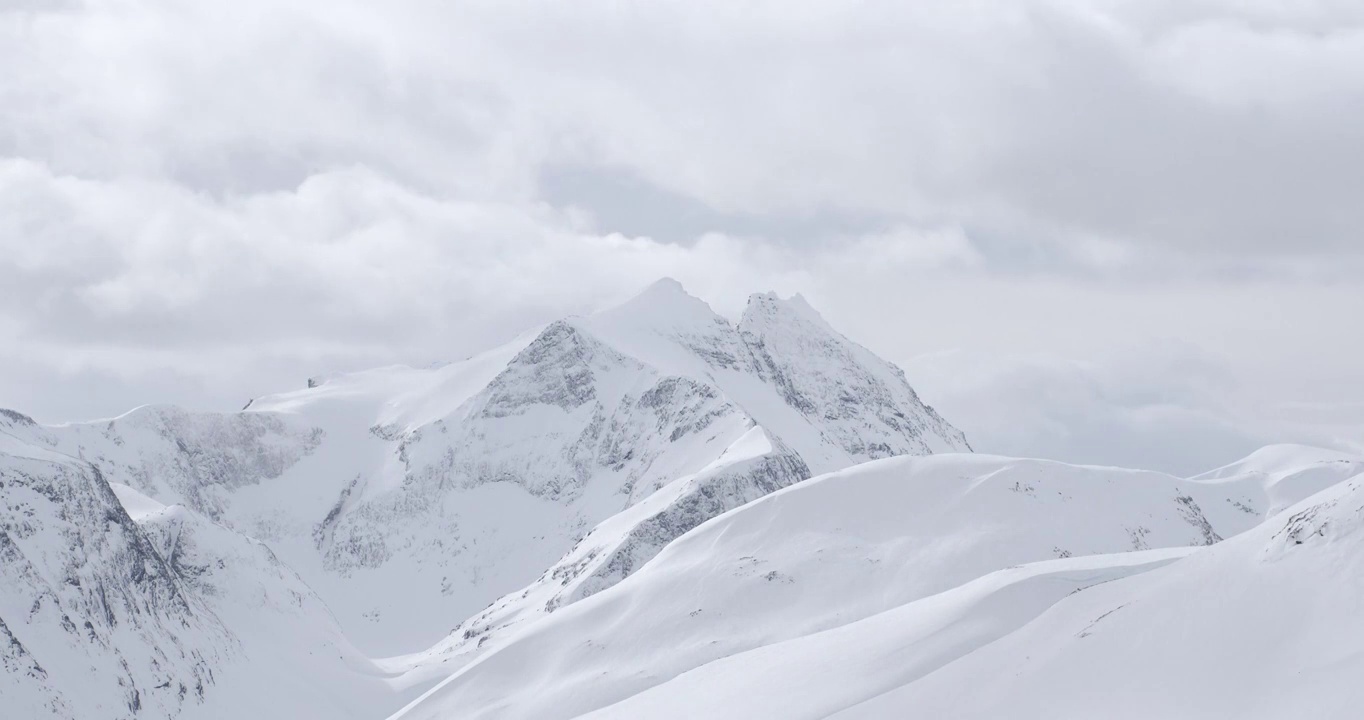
x: 200, y: 204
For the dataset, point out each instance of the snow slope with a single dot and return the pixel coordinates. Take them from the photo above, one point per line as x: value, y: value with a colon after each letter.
x: 410, y: 499
x: 818, y: 675
x: 918, y: 552
x: 1287, y: 473
x: 1266, y: 625
x: 610, y: 552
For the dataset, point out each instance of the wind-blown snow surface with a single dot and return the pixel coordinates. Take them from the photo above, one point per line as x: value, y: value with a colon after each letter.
x: 887, y: 575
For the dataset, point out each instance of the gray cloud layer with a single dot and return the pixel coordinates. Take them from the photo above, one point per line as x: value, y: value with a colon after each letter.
x: 207, y: 201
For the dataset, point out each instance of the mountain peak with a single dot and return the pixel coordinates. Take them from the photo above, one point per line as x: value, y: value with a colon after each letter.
x: 664, y: 292
x: 665, y: 285
x: 650, y: 325
x: 666, y: 311
x: 661, y: 299
x: 766, y: 308
x: 865, y: 403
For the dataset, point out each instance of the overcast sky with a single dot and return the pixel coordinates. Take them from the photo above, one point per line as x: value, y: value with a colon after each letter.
x: 1107, y: 231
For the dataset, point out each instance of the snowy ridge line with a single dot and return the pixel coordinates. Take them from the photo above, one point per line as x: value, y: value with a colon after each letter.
x: 1292, y: 581
x: 839, y: 548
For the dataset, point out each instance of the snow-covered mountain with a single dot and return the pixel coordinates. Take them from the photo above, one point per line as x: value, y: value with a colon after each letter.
x: 406, y: 500
x: 412, y: 498
x: 816, y: 598
x: 92, y: 620
x: 422, y: 496
x: 113, y: 605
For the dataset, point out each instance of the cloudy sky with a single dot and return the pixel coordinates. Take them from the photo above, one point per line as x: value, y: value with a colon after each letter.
x: 1106, y: 231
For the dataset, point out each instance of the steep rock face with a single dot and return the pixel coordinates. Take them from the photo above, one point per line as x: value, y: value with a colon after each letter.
x: 113, y: 605
x: 95, y: 622
x: 294, y: 660
x: 25, y: 684
x: 702, y: 497
x: 558, y: 369
x: 196, y: 459
x: 565, y: 410
x: 861, y: 401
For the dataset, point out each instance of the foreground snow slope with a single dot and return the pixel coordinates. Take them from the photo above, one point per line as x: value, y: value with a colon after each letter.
x: 410, y: 499
x: 113, y: 605
x: 850, y: 545
x: 815, y: 676
x: 1266, y: 625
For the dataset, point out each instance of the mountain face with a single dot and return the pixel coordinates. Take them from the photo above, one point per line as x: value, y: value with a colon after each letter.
x: 410, y: 499
x: 113, y: 605
x: 590, y: 417
x: 276, y: 621
x: 93, y: 621
x: 864, y: 403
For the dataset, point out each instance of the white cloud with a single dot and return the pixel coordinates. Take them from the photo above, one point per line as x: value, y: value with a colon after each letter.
x: 1196, y: 125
